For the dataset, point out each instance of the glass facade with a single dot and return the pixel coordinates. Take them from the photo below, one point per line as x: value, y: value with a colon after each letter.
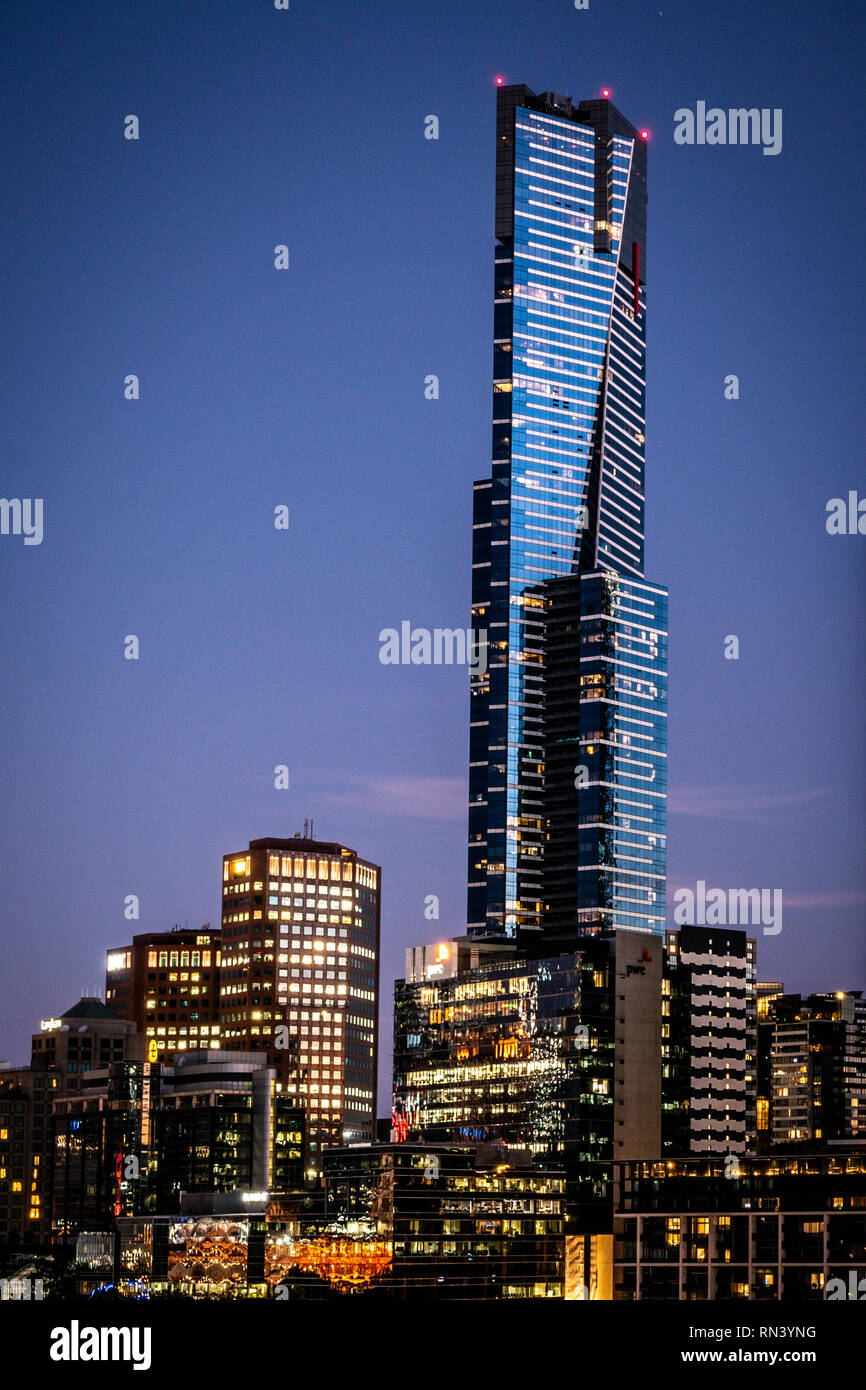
x: 520, y: 1052
x: 605, y: 755
x: 565, y: 500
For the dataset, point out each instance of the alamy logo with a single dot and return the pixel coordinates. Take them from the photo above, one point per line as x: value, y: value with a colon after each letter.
x: 737, y: 126
x: 22, y: 516
x: 846, y: 519
x: 856, y: 1289
x: 746, y: 907
x: 75, y: 1343
x: 444, y: 646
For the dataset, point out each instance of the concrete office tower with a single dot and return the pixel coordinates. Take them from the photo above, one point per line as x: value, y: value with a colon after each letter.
x: 299, y: 977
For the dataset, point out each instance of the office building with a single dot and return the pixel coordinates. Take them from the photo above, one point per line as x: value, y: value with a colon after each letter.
x: 558, y: 1054
x: 64, y: 1053
x: 221, y: 1126
x: 86, y: 1037
x: 103, y: 1149
x: 25, y: 1155
x: 300, y: 977
x: 167, y: 983
x: 468, y: 1221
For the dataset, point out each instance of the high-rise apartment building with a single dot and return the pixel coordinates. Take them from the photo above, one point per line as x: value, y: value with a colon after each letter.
x: 811, y: 1069
x: 567, y: 737
x: 299, y: 978
x: 709, y: 1042
x: 167, y: 983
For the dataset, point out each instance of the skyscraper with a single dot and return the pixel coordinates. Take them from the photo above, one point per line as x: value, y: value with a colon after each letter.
x: 299, y: 978
x: 567, y: 725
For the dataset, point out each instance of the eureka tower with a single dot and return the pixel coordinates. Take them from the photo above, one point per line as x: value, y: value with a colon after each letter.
x: 568, y: 723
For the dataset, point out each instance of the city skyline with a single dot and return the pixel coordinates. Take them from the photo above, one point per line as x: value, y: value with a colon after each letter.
x: 163, y: 519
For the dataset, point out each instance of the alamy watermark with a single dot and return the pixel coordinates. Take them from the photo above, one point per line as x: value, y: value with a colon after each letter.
x: 846, y: 517
x: 719, y: 907
x: 443, y: 646
x: 22, y: 516
x: 736, y: 126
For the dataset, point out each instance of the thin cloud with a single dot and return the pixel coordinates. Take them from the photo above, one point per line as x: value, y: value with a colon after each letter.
x: 827, y: 900
x: 739, y: 803
x: 421, y: 798
x: 832, y: 898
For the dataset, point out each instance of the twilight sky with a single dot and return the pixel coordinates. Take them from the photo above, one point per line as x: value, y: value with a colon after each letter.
x: 306, y: 388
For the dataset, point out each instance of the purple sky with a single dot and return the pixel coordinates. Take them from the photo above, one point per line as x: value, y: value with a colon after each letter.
x: 306, y: 387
